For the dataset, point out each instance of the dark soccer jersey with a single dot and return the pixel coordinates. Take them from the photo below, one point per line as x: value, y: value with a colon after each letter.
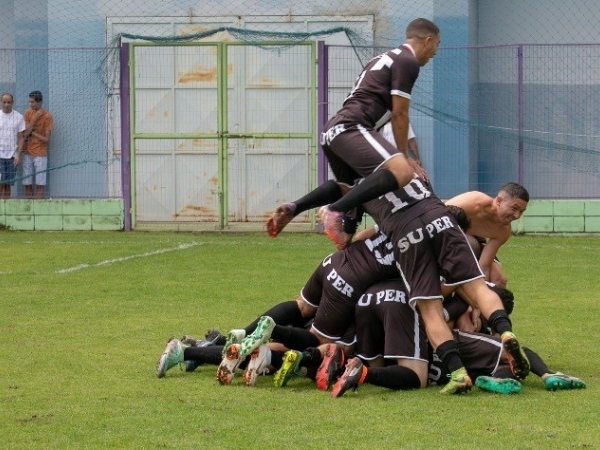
x: 382, y: 209
x: 370, y: 101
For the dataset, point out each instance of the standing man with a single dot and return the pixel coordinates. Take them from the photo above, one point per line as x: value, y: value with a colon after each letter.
x: 351, y: 140
x: 37, y: 135
x: 491, y: 219
x: 12, y: 126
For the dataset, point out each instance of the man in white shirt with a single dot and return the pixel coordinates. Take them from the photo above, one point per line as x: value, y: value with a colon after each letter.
x: 12, y: 126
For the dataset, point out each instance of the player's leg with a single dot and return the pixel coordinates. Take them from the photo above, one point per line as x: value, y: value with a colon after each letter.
x: 443, y: 343
x: 477, y: 293
x: 553, y: 381
x: 326, y: 193
x: 373, y: 158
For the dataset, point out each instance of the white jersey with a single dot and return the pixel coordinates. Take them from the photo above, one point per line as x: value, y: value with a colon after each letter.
x: 10, y: 126
x: 387, y: 133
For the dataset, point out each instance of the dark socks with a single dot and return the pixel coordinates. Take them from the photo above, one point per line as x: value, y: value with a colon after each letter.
x: 351, y: 220
x: 204, y: 355
x: 378, y: 183
x: 276, y: 358
x: 284, y: 313
x: 294, y: 338
x: 499, y: 321
x: 311, y: 357
x: 504, y: 372
x: 324, y: 194
x: 393, y: 377
x: 449, y: 355
x: 538, y: 366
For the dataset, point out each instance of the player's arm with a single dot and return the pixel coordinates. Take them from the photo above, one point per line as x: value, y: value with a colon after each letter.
x: 489, y: 253
x: 367, y: 233
x: 414, y: 149
x: 400, y: 123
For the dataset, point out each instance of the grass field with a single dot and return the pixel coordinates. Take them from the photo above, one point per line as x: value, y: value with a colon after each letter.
x: 84, y: 317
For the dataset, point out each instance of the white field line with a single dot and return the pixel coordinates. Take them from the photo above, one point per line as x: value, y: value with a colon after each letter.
x: 126, y: 258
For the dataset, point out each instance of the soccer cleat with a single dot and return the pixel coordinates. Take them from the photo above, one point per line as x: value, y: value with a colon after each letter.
x: 289, y: 368
x: 172, y: 356
x: 353, y: 376
x: 499, y: 385
x: 258, y: 337
x: 231, y: 361
x: 190, y: 340
x: 334, y: 228
x: 459, y: 382
x: 233, y: 337
x: 280, y: 218
x: 519, y: 364
x: 333, y: 361
x: 560, y: 382
x: 213, y: 335
x: 259, y: 363
x: 191, y: 365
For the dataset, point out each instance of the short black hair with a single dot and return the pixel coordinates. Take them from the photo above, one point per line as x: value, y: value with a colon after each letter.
x: 460, y: 216
x: 507, y: 298
x: 36, y: 95
x: 515, y: 190
x: 421, y: 28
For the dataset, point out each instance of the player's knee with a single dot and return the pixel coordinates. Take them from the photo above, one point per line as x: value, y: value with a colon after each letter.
x: 400, y: 168
x: 307, y: 311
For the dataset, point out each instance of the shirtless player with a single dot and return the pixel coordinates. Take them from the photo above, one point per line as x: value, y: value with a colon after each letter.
x: 491, y: 219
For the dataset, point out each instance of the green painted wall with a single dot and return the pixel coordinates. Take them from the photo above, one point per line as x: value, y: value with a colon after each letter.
x: 559, y: 216
x: 59, y: 215
x: 542, y: 216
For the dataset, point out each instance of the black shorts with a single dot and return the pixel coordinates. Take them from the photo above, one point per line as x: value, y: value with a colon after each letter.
x: 386, y: 326
x: 355, y: 151
x: 480, y: 354
x: 341, y: 279
x: 334, y: 289
x: 428, y: 247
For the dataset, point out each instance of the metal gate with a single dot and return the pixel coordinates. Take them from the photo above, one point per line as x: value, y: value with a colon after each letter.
x: 220, y: 132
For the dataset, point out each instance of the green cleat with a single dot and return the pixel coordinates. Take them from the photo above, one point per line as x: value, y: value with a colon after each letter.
x: 289, y: 368
x: 499, y: 385
x: 561, y: 382
x: 519, y: 364
x: 233, y: 337
x: 459, y: 382
x: 258, y: 337
x: 172, y: 356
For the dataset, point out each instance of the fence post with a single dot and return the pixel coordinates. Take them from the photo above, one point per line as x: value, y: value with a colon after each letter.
x: 322, y: 111
x: 125, y: 136
x: 520, y: 110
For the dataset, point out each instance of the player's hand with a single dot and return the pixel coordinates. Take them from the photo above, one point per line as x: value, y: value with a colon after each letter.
x: 464, y: 322
x: 416, y: 166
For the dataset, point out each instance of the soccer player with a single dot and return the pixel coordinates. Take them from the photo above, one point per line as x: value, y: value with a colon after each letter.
x: 428, y: 244
x: 380, y: 342
x: 351, y: 141
x: 491, y: 220
x: 340, y: 279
